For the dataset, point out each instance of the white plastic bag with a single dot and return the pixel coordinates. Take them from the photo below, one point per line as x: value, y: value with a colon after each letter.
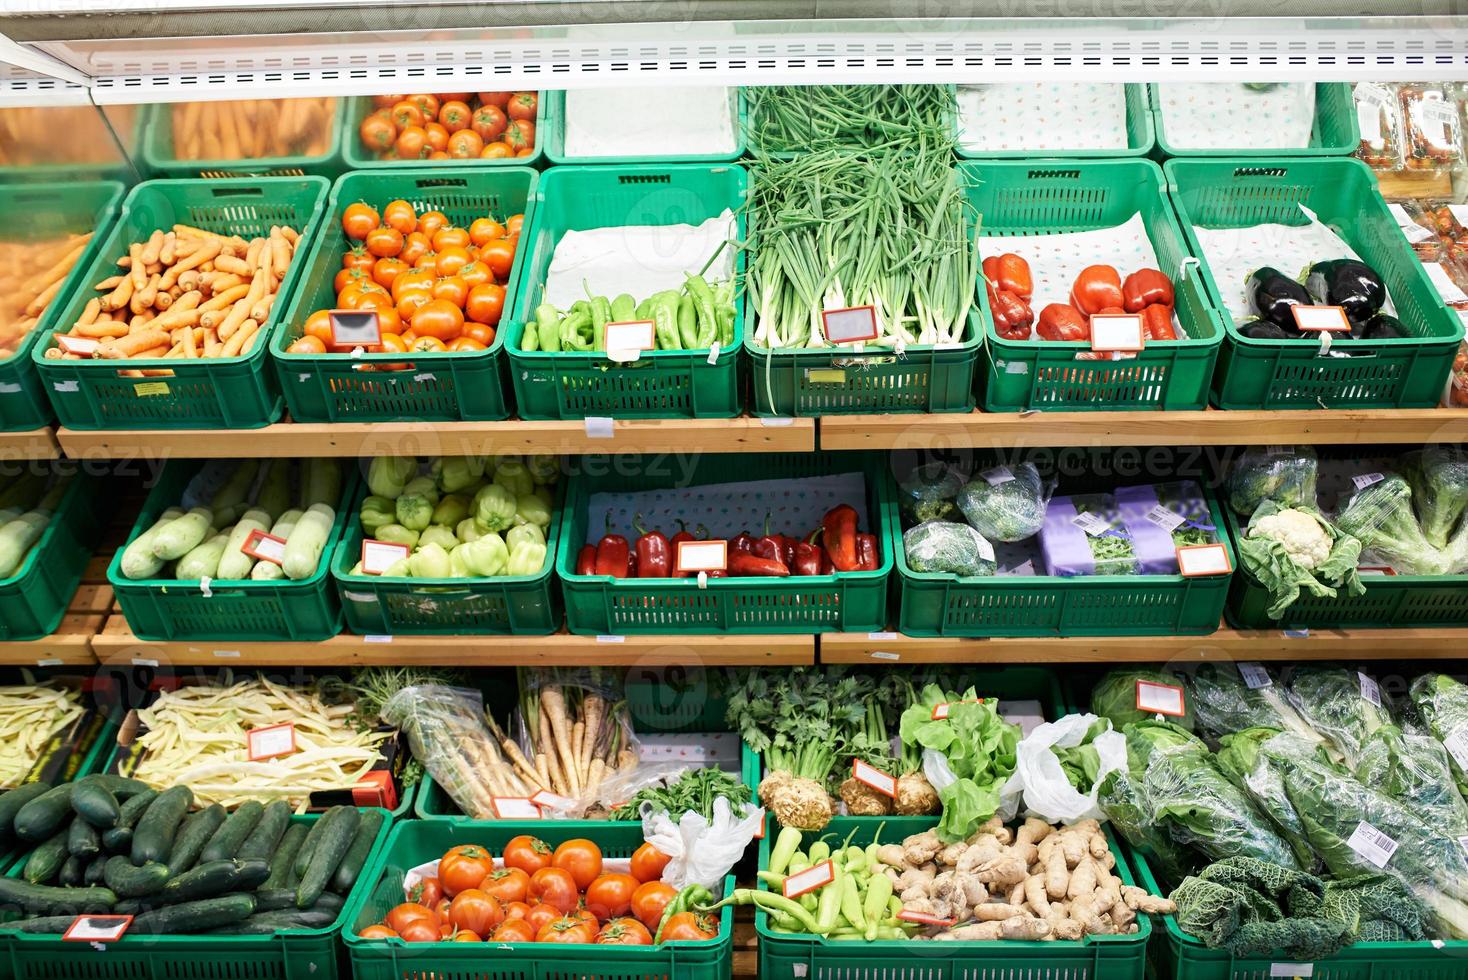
x: 702, y: 853
x: 1040, y: 781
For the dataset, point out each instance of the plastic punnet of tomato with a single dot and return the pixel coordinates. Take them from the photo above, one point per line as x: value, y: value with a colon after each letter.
x: 451, y: 126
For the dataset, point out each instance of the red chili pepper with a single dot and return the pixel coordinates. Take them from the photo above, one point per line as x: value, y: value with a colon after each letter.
x: 867, y: 556
x: 1145, y: 287
x: 586, y: 560
x: 747, y: 564
x: 1096, y: 288
x: 839, y: 529
x: 1009, y: 273
x: 654, y: 554
x: 613, y: 556
x: 807, y: 556
x: 1012, y: 315
x: 1059, y: 321
x: 1157, y: 322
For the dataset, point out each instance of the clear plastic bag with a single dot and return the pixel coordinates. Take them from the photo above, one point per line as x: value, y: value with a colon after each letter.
x: 929, y: 491
x: 1379, y: 118
x: 1163, y: 518
x: 1284, y: 474
x: 574, y: 729
x: 1380, y: 515
x: 1006, y: 503
x: 945, y: 546
x: 1045, y: 789
x: 1085, y: 535
x: 448, y: 735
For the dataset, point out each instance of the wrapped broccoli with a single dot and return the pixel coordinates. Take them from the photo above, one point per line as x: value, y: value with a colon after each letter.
x: 1284, y: 474
x: 1438, y: 476
x: 1380, y: 516
x: 1084, y: 535
x: 928, y: 492
x: 945, y: 546
x: 1005, y: 503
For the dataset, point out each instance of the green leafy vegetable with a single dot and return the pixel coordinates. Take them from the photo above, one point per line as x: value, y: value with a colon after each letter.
x: 979, y: 747
x: 1335, y: 702
x: 693, y: 790
x: 1287, y: 561
x: 1380, y: 516
x: 1115, y: 697
x: 1442, y: 703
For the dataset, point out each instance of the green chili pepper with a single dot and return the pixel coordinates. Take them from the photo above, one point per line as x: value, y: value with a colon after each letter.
x: 703, y: 304
x: 819, y: 851
x: 687, y: 323
x: 724, y: 309
x: 546, y: 329
x: 786, y: 844
x: 678, y: 904
x: 601, y: 315
x: 663, y: 311
x: 830, y: 902
x: 777, y: 905
x: 576, y: 331
x: 624, y: 308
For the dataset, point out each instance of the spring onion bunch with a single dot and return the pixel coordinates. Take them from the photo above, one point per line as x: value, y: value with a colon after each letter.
x: 801, y: 118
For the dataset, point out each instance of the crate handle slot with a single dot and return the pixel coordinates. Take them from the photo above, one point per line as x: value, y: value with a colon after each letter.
x: 645, y: 179
x: 128, y: 374
x: 1053, y: 175
x: 1261, y: 172
x: 425, y: 182
x: 237, y: 191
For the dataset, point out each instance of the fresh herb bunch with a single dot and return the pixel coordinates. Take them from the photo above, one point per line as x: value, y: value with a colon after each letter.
x: 1112, y: 550
x: 373, y: 687
x: 802, y: 720
x: 694, y: 790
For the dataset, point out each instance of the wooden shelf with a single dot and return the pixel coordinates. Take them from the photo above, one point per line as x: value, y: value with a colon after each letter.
x: 1226, y: 644
x: 35, y: 444
x: 1419, y: 185
x: 365, y: 439
x: 1416, y: 426
x: 71, y: 644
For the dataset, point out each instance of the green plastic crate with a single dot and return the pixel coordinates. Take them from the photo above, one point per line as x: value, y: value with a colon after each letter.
x: 34, y: 599
x: 376, y: 605
x: 159, y: 159
x: 1141, y: 136
x: 794, y: 956
x: 435, y: 387
x: 420, y: 841
x: 44, y: 211
x: 1335, y: 132
x: 250, y: 610
x: 1018, y: 198
x: 553, y: 110
x: 661, y: 384
x: 358, y: 157
x: 220, y: 392
x: 297, y: 954
x: 120, y: 138
x: 941, y: 604
x: 1179, y: 955
x: 1408, y: 372
x: 842, y: 602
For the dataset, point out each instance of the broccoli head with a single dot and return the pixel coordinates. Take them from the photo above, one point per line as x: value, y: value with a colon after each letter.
x: 1005, y: 504
x: 1283, y: 474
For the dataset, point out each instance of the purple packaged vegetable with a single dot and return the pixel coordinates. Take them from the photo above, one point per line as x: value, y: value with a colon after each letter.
x: 1083, y: 535
x: 1163, y: 518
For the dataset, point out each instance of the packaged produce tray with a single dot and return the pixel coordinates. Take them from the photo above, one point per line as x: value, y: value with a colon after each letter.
x: 661, y: 383
x: 1335, y: 132
x: 43, y: 211
x: 434, y: 387
x: 1018, y: 198
x: 553, y: 114
x: 220, y: 392
x: 1179, y: 955
x: 169, y: 609
x: 160, y: 159
x: 421, y: 841
x: 844, y: 601
x: 376, y: 605
x: 792, y: 956
x: 297, y: 954
x: 359, y: 157
x: 1140, y: 134
x: 1406, y: 372
x: 34, y: 599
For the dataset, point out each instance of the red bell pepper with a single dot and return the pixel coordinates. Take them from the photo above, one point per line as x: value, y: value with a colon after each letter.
x: 683, y: 535
x: 1012, y: 315
x: 1061, y: 322
x: 1144, y: 288
x: 741, y: 544
x: 807, y: 556
x: 775, y: 546
x: 1009, y: 273
x: 654, y: 554
x: 743, y: 563
x: 1096, y: 288
x: 867, y: 556
x: 1157, y: 322
x: 839, y: 530
x: 613, y: 555
x: 586, y: 560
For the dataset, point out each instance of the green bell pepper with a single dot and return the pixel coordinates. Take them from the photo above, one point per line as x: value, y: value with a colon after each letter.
x: 530, y: 509
x: 522, y: 533
x: 387, y: 475
x: 486, y: 557
x: 494, y: 508
x: 397, y: 534
x: 452, y: 509
x: 439, y: 535
x: 414, y: 511
x: 424, y: 486
x: 375, y: 512
x: 429, y: 562
x: 514, y: 476
x: 527, y: 559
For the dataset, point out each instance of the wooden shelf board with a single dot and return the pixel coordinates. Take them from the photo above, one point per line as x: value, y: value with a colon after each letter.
x: 1206, y: 428
x: 1226, y: 644
x: 1416, y: 185
x: 366, y: 439
x: 34, y: 444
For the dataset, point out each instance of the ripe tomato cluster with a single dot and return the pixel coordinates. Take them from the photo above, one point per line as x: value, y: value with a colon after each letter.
x: 434, y: 286
x: 451, y: 126
x: 540, y: 894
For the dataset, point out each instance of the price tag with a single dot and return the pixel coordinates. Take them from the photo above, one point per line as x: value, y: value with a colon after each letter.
x: 759, y: 832
x: 1292, y: 970
x: 151, y: 389
x: 270, y: 742
x: 1168, y: 520
x: 1376, y: 570
x: 85, y: 346
x: 1196, y: 560
x: 702, y: 556
x: 1435, y: 118
x: 599, y: 427
x: 923, y: 918
x: 379, y: 556
x: 885, y: 655
x: 515, y: 808
x: 1321, y: 319
x: 1457, y: 745
x: 265, y: 547
x: 986, y: 550
x: 1255, y: 676
x: 1117, y: 332
x: 850, y: 325
x: 1415, y: 233
x: 1364, y: 480
x: 1160, y: 699
x: 1372, y: 845
x: 997, y: 475
x: 546, y: 798
x: 627, y: 339
x: 97, y: 928
x: 354, y: 328
x: 1449, y: 291
x: 809, y: 880
x: 1370, y: 690
x: 1092, y: 524
x: 874, y: 777
x: 940, y: 711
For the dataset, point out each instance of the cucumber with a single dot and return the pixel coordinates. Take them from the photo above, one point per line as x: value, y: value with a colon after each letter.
x: 71, y: 872
x: 46, y: 860
x: 82, y: 840
x: 234, y: 564
x: 192, y: 836
x: 304, y: 547
x: 338, y: 830
x: 156, y: 828
x: 93, y: 874
x: 130, y: 882
x: 95, y: 804
x: 40, y: 818
x: 267, y: 833
x: 183, y: 534
x: 210, y: 913
x: 232, y: 833
x: 119, y: 840
x: 356, y: 856
x: 45, y: 900
x: 10, y: 805
x: 303, y: 856
x: 122, y: 787
x: 282, y: 860
x: 55, y: 925
x: 132, y: 906
x: 214, y: 878
x: 277, y: 899
x: 268, y: 923
x: 138, y: 560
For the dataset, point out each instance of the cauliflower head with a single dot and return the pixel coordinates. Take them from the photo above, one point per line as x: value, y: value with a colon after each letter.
x: 1300, y: 533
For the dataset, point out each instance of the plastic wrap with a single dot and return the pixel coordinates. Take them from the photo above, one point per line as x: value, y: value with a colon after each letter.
x: 1255, y: 759
x: 574, y: 730
x: 1379, y: 118
x: 1084, y: 535
x: 1442, y: 704
x: 447, y: 733
x: 1438, y: 476
x: 1060, y: 766
x: 1381, y: 517
x: 1414, y: 769
x: 1433, y: 132
x: 1285, y: 474
x: 702, y: 851
x: 1226, y: 698
x: 1115, y: 697
x: 929, y: 491
x: 1162, y: 518
x: 1005, y: 503
x: 1294, y: 550
x: 944, y: 546
x: 1343, y: 705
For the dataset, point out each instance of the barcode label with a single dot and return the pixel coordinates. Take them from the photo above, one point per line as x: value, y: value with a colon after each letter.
x: 1443, y: 283
x: 1291, y: 969
x: 986, y: 550
x: 1364, y: 480
x: 997, y: 475
x: 1372, y: 845
x: 1166, y: 519
x: 1091, y: 524
x: 1370, y: 690
x: 1457, y: 745
x: 1254, y: 675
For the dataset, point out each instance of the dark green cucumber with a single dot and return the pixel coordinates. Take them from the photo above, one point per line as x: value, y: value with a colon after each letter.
x: 192, y: 836
x: 156, y: 828
x: 46, y: 860
x: 82, y: 839
x: 214, y: 878
x: 283, y: 858
x: 266, y: 923
x: 122, y: 787
x: 40, y: 818
x: 10, y: 805
x: 93, y: 873
x: 338, y: 828
x: 267, y: 833
x: 45, y: 900
x: 233, y: 832
x: 303, y: 856
x: 130, y: 882
x: 275, y: 899
x: 211, y: 913
x: 95, y: 803
x: 119, y: 839
x: 54, y: 925
x: 132, y: 906
x: 356, y: 856
x: 71, y: 872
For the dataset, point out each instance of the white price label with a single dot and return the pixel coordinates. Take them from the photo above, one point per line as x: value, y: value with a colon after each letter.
x: 1415, y: 233
x: 627, y: 339
x: 1166, y: 519
x: 997, y: 475
x: 1117, y: 332
x: 354, y: 328
x: 599, y: 426
x: 1370, y: 690
x: 986, y: 550
x: 1160, y: 699
x: 1450, y: 291
x: 551, y: 800
x: 271, y: 741
x: 809, y: 880
x: 227, y: 654
x: 265, y: 547
x: 1372, y: 845
x: 702, y: 556
x: 1364, y: 480
x: 1322, y: 319
x: 84, y: 346
x: 379, y: 556
x: 97, y: 928
x: 377, y: 638
x: 1368, y: 117
x: 514, y: 808
x: 1457, y: 745
x: 885, y: 655
x: 1091, y: 523
x: 1292, y: 969
x: 1254, y: 675
x: 874, y: 777
x: 851, y: 325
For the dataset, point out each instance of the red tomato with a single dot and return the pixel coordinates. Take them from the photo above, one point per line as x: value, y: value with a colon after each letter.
x: 465, y: 936
x: 496, y: 151
x: 555, y: 887
x: 506, y: 884
x: 477, y: 911
x: 442, y: 908
x: 378, y: 932
x: 415, y: 246
x: 485, y: 230
x: 358, y: 220
x: 378, y: 132
x: 520, y: 134
x: 527, y: 853
x: 516, y: 910
x: 385, y: 101
x: 345, y: 278
x: 428, y: 345
x: 610, y: 895
x: 383, y: 242
x: 499, y: 255
x: 358, y: 258
x: 318, y: 325
x: 465, y: 345
x: 405, y: 114
x: 476, y: 273
x: 513, y: 931
x: 454, y: 116
x: 450, y: 236
x: 443, y: 321
x: 371, y: 299
x: 581, y: 857
x: 428, y: 260
x: 387, y: 269
x: 485, y: 304
x: 566, y: 930
x: 648, y: 863
x: 427, y: 104
x: 624, y: 932
x: 400, y: 915
x: 421, y: 931
x: 523, y: 105
x: 462, y: 868
x: 313, y: 345
x: 649, y: 900
x: 465, y: 144
x: 500, y: 99
x: 690, y: 926
x: 429, y: 222
x: 450, y: 260
x: 437, y: 138
x: 489, y: 122
x: 411, y: 143
x: 400, y: 216
x: 514, y: 223
x: 482, y: 333
x: 540, y: 915
x: 453, y: 289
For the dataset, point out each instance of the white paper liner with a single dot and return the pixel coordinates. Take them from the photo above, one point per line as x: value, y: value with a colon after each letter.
x: 795, y: 507
x: 651, y: 122
x: 1231, y: 116
x: 637, y: 259
x: 1043, y: 116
